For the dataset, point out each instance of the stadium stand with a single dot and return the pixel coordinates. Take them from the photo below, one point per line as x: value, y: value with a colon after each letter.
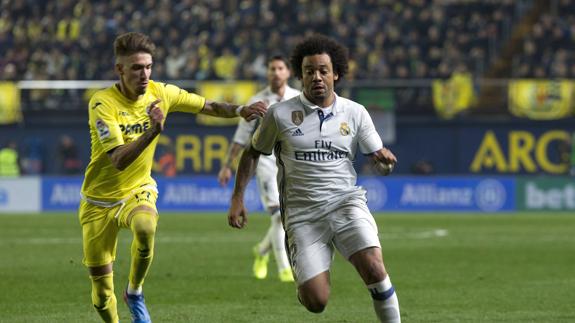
x: 415, y: 54
x: 58, y: 40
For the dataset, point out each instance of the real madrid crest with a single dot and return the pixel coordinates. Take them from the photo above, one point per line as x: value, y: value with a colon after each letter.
x: 344, y: 129
x: 297, y: 117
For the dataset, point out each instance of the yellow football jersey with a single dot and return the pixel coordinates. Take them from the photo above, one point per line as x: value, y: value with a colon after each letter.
x: 115, y: 120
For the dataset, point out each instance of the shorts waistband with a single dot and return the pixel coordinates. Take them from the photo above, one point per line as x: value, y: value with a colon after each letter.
x: 116, y: 203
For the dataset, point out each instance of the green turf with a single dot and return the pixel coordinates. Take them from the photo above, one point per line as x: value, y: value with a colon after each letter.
x: 448, y: 268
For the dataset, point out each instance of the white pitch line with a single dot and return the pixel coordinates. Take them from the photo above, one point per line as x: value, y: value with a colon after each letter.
x: 416, y: 235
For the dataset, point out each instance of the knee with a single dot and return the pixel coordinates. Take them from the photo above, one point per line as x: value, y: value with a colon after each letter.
x: 144, y: 224
x: 314, y: 303
x: 101, y: 300
x: 102, y: 291
x: 374, y: 271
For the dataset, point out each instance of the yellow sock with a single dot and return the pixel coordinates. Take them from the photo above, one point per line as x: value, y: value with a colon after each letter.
x: 143, y: 226
x: 103, y: 297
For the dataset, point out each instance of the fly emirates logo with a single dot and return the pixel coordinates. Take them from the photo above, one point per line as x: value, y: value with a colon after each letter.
x: 323, y: 152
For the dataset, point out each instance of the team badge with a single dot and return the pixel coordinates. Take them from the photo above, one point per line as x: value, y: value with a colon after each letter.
x: 103, y: 130
x: 344, y: 129
x: 297, y: 117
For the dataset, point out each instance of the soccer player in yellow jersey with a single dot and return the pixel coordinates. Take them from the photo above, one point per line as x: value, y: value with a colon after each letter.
x: 118, y: 190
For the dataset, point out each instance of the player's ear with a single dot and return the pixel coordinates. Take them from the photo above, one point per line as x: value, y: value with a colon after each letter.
x: 335, y: 76
x: 119, y: 68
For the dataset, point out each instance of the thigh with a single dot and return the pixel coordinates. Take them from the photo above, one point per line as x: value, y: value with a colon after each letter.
x: 142, y: 198
x: 355, y: 230
x: 310, y: 249
x: 99, y: 234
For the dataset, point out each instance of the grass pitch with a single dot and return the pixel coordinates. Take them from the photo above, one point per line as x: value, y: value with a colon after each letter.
x: 446, y: 268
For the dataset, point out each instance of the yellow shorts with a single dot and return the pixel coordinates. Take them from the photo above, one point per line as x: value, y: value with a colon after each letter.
x: 100, y: 225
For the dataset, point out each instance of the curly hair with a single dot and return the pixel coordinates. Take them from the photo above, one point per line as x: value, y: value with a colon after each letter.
x: 320, y: 44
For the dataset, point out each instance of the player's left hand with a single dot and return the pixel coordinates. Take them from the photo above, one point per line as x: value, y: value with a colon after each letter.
x: 383, y: 161
x: 224, y: 175
x: 237, y: 214
x: 254, y: 110
x: 385, y: 155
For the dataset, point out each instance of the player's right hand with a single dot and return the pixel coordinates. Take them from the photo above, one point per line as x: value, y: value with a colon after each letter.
x: 156, y: 116
x: 224, y: 175
x: 237, y: 214
x: 254, y: 110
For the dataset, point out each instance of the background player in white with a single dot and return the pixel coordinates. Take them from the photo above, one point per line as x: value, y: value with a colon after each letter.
x: 315, y: 138
x: 278, y: 90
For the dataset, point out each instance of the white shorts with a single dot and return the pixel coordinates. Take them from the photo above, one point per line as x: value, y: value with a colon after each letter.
x: 311, y: 244
x: 266, y: 177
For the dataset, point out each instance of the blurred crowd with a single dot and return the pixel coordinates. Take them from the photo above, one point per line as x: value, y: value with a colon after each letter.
x: 549, y: 47
x: 230, y: 39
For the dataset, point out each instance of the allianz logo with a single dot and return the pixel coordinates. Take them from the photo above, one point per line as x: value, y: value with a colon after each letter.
x: 65, y: 194
x: 549, y: 198
x: 432, y: 194
x: 488, y: 195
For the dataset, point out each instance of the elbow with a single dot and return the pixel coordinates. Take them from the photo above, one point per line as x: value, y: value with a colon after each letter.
x: 117, y: 162
x: 252, y: 152
x: 119, y: 165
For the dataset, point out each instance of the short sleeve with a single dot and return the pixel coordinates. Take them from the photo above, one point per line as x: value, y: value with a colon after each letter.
x: 103, y: 121
x: 265, y: 137
x: 244, y: 131
x: 180, y: 100
x: 368, y: 138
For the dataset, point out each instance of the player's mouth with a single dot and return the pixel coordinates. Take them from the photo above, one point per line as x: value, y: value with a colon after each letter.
x: 317, y: 88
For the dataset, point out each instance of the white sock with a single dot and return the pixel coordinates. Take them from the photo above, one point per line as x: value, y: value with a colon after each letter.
x: 277, y: 235
x: 134, y: 291
x: 385, y: 301
x: 265, y: 245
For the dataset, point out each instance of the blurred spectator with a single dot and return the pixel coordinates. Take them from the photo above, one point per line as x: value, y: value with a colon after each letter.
x: 33, y: 157
x: 9, y: 161
x: 422, y: 167
x: 8, y: 73
x: 68, y: 155
x: 225, y: 66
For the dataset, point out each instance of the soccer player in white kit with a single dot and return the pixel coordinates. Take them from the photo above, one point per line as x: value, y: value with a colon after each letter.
x: 278, y: 90
x: 315, y: 137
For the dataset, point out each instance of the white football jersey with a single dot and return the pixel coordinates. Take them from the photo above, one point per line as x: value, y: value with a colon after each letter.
x: 315, y: 149
x: 245, y: 129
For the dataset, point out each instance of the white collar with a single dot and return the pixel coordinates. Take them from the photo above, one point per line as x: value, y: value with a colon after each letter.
x: 337, y: 106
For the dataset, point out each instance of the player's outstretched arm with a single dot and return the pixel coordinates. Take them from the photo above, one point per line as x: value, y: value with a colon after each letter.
x: 237, y: 214
x: 227, y: 110
x: 124, y: 155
